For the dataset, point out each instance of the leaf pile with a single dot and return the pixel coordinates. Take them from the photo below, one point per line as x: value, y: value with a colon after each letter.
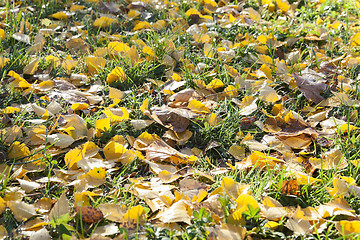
x: 191, y: 119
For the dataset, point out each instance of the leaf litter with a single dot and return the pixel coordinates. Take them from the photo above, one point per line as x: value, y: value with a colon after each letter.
x: 205, y: 119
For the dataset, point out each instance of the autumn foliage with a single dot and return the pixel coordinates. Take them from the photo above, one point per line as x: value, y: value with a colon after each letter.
x: 195, y: 119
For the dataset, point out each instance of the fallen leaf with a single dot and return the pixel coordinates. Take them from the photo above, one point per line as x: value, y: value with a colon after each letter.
x: 310, y: 88
x: 22, y: 211
x: 89, y: 214
x: 176, y: 213
x: 60, y: 208
x: 290, y: 187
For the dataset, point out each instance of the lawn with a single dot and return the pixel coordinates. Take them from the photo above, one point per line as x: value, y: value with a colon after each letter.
x: 161, y: 119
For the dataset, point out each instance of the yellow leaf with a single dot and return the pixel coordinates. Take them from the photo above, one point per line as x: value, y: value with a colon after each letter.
x: 3, y: 62
x: 231, y: 91
x: 344, y: 128
x: 88, y: 149
x: 265, y: 69
x: 147, y: 50
x: 46, y: 85
x: 355, y: 39
x: 75, y: 7
x: 118, y: 48
x: 302, y: 178
x: 332, y: 159
x: 176, y: 213
x: 95, y: 177
x: 10, y: 134
x: 160, y: 151
x: 237, y: 151
x: 3, y: 232
x: 81, y: 199
x: 349, y: 180
x: 79, y: 106
x: 268, y: 94
x: 266, y: 59
x: 232, y: 188
x: 133, y: 14
x: 133, y: 55
x: 103, y: 124
x: 18, y: 150
x: 75, y: 126
x: 95, y: 64
x: 348, y: 227
x: 202, y: 38
x: 144, y: 140
x: 200, y: 196
x: 176, y: 77
x: 116, y: 75
x: 2, y: 34
x: 262, y: 39
x: 54, y: 60
x: 244, y: 201
x: 114, y: 151
x: 19, y: 82
x: 284, y: 6
x: 167, y: 177
x: 68, y: 65
x: 214, y: 120
x: 115, y: 93
x: 236, y: 218
x: 73, y: 156
x: 144, y: 108
x: 104, y: 22
x: 356, y: 162
x: 215, y: 84
x: 59, y: 15
x: 232, y: 71
x: 2, y: 205
x: 260, y: 160
x: 9, y: 110
x: 159, y: 25
x: 192, y: 11
x: 141, y: 25
x: 117, y: 114
x: 135, y: 213
x: 357, y: 3
x: 198, y: 107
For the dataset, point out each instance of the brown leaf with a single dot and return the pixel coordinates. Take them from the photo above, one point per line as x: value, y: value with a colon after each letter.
x: 310, y: 88
x: 77, y: 45
x: 89, y: 214
x: 109, y: 7
x: 172, y: 118
x: 290, y: 187
x: 38, y: 44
